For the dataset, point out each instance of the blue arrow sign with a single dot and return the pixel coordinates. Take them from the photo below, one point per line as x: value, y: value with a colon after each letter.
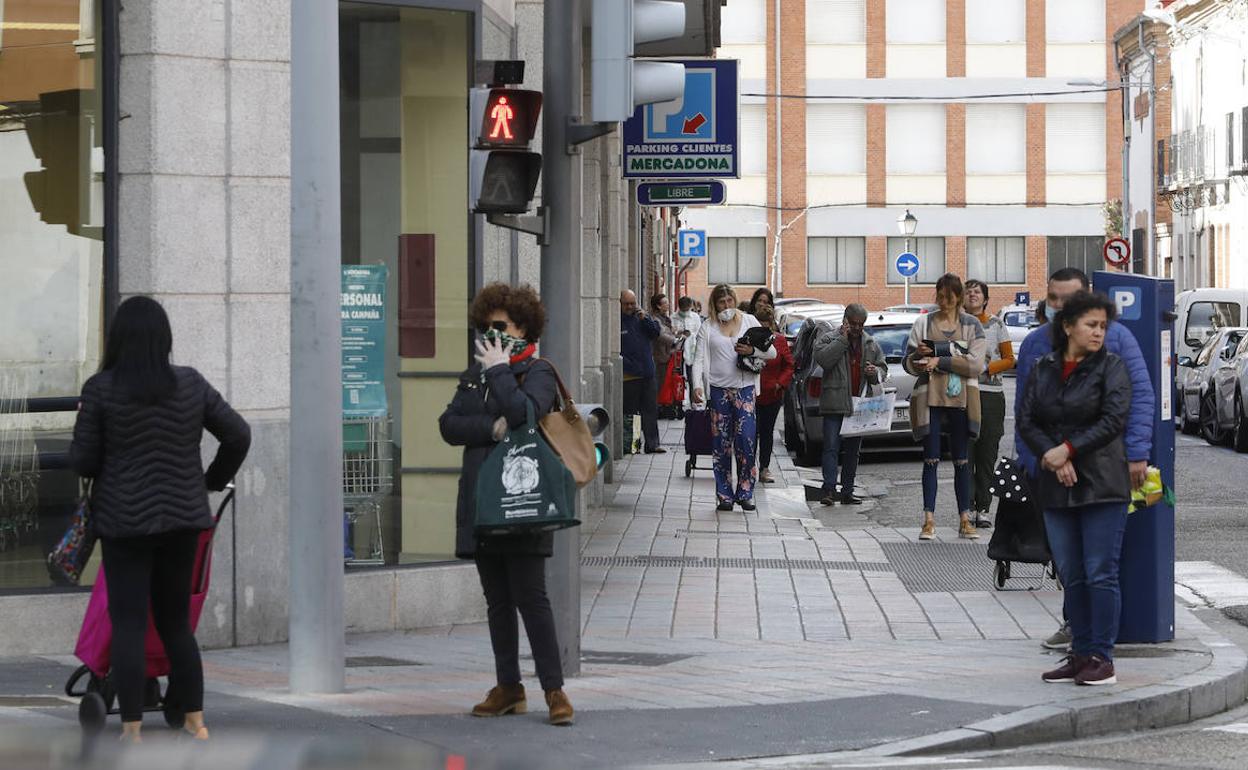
x: 907, y: 264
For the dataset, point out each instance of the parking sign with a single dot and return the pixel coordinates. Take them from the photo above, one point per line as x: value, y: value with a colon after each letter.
x: 692, y: 243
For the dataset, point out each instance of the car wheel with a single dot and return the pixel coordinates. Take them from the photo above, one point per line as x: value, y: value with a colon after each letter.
x: 1240, y: 438
x: 1209, y: 427
x: 1185, y: 425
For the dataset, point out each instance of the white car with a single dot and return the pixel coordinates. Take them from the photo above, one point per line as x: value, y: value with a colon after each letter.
x: 1019, y: 320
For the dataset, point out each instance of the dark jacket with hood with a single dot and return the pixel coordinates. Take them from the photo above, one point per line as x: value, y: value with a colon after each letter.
x: 469, y: 422
x: 145, y: 459
x: 1090, y: 411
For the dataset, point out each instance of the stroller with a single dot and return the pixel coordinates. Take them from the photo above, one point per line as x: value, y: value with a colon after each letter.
x: 672, y: 395
x: 95, y: 640
x: 1019, y: 536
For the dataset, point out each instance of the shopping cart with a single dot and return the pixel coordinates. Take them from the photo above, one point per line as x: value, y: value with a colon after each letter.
x: 367, y: 480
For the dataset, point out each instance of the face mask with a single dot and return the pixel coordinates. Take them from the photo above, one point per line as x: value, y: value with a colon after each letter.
x: 1050, y: 312
x: 515, y: 345
x: 727, y: 314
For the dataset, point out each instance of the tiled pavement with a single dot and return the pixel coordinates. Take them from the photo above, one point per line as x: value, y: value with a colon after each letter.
x: 720, y: 614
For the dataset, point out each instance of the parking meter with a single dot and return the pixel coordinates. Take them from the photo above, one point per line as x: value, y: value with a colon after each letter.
x: 1146, y: 307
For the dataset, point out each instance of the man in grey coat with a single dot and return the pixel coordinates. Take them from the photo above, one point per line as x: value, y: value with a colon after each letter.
x: 850, y: 360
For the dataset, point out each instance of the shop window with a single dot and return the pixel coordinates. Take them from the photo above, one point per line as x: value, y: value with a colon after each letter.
x: 52, y: 197
x: 407, y: 271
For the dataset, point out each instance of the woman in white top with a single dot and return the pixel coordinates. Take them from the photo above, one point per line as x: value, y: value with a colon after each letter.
x: 732, y: 389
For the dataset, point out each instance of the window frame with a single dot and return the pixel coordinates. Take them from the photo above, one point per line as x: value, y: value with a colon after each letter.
x: 1089, y: 264
x: 839, y: 241
x: 892, y: 278
x: 997, y: 256
x: 735, y: 279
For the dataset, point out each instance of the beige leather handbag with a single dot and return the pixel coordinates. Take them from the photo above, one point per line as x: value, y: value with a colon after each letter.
x: 566, y: 432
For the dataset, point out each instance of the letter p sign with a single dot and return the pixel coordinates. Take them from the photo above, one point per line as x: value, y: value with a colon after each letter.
x: 1127, y: 300
x: 692, y: 243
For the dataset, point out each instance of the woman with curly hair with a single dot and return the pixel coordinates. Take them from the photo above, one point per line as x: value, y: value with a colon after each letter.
x: 492, y: 398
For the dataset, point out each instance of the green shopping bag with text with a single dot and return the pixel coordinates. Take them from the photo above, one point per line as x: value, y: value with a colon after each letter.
x: 523, y: 486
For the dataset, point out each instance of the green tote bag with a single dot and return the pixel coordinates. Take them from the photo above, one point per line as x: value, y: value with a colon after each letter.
x: 523, y: 487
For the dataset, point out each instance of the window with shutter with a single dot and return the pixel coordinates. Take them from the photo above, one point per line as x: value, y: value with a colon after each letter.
x: 836, y: 139
x: 997, y: 260
x: 996, y: 21
x: 753, y: 139
x: 1075, y: 21
x: 836, y: 260
x: 996, y: 139
x: 915, y: 21
x: 743, y: 21
x: 915, y: 135
x: 836, y: 21
x: 1075, y: 138
x: 737, y: 260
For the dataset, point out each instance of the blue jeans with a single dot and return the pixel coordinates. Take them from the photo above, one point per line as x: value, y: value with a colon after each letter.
x: 954, y: 421
x: 734, y: 429
x: 833, y: 443
x: 1087, y: 544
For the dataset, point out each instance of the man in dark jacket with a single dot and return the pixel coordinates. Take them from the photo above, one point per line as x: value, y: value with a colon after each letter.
x: 641, y: 390
x: 850, y: 359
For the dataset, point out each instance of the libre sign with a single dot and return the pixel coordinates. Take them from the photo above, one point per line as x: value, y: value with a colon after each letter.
x: 710, y: 192
x: 694, y: 137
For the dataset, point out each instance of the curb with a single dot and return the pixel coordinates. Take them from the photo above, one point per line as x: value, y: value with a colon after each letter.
x: 1218, y: 687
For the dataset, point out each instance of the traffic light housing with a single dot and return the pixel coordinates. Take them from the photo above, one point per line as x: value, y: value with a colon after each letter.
x: 504, y: 172
x: 596, y: 419
x: 622, y: 83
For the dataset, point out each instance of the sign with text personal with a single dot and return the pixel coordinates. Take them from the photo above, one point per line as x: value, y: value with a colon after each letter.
x: 694, y: 137
x: 364, y: 340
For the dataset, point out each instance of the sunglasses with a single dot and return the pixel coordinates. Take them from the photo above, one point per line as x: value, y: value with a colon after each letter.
x: 498, y: 326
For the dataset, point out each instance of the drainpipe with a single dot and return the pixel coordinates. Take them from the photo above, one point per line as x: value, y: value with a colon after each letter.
x: 777, y: 275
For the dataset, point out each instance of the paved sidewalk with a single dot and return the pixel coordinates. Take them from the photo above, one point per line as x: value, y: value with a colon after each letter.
x: 794, y: 629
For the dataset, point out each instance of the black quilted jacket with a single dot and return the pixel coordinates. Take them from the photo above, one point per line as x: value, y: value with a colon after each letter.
x: 145, y: 459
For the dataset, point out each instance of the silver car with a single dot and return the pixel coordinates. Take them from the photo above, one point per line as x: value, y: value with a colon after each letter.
x: 1198, y: 400
x: 803, y: 424
x: 1230, y: 383
x: 791, y: 317
x: 1019, y: 320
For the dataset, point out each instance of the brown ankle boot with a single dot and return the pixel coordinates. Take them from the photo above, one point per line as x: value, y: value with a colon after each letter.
x: 502, y: 700
x: 560, y: 707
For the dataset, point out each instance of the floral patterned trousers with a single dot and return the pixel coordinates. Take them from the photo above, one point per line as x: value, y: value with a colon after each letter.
x: 734, y: 425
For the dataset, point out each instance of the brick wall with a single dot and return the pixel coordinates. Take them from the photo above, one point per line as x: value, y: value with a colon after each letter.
x: 1036, y: 42
x: 955, y: 38
x: 1036, y: 152
x: 877, y: 168
x: 876, y: 51
x: 955, y: 155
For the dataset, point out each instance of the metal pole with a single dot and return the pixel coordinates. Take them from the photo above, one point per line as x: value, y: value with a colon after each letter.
x: 561, y: 279
x: 777, y: 273
x: 907, y: 299
x: 317, y: 637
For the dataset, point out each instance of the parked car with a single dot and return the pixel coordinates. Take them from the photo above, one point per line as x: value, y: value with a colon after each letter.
x: 803, y: 425
x: 1202, y: 312
x: 1230, y: 415
x: 1019, y: 320
x: 920, y: 308
x: 791, y: 317
x: 1198, y: 406
x: 790, y: 301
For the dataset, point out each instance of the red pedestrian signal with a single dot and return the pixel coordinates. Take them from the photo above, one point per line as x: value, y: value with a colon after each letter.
x: 508, y: 118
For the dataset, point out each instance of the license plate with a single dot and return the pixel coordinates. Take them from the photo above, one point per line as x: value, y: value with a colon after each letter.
x: 901, y: 414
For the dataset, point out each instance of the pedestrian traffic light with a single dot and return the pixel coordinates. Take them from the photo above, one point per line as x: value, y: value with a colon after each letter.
x: 504, y: 172
x: 621, y: 83
x: 59, y: 136
x: 596, y: 419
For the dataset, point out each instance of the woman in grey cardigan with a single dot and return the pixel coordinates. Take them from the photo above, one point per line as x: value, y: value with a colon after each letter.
x: 138, y: 433
x: 946, y: 354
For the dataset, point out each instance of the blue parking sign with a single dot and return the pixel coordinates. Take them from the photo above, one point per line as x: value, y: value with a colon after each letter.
x: 692, y: 243
x: 693, y: 137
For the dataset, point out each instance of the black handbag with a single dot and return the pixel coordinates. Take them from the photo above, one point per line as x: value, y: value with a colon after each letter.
x: 1009, y: 481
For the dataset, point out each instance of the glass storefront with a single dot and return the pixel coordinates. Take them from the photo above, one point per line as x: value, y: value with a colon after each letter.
x: 52, y: 262
x: 404, y: 100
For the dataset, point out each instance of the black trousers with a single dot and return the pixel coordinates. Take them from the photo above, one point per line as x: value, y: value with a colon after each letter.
x: 514, y: 583
x: 642, y: 397
x: 155, y: 569
x: 767, y: 415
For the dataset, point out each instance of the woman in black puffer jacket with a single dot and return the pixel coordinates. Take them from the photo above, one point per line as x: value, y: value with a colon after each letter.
x: 1073, y: 416
x: 491, y: 400
x: 138, y: 432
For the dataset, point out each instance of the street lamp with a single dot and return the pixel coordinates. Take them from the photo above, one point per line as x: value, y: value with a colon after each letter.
x: 906, y: 224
